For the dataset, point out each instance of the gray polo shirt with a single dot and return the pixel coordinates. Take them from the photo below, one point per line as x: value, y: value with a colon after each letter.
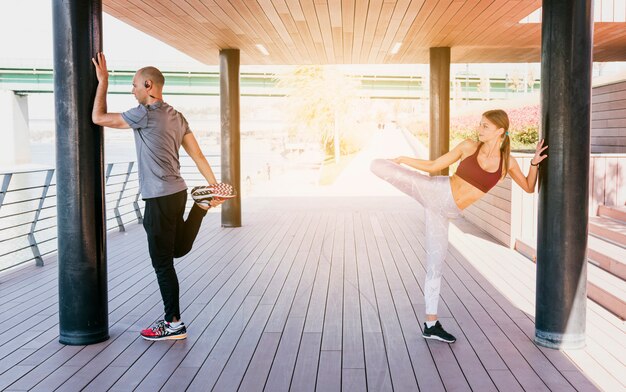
x: 159, y: 131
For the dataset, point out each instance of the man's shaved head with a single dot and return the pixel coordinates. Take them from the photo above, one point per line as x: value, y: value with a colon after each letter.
x: 152, y: 74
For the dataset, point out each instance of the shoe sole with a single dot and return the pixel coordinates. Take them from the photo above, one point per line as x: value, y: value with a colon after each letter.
x: 223, y: 191
x: 218, y: 196
x: 175, y: 337
x: 434, y: 337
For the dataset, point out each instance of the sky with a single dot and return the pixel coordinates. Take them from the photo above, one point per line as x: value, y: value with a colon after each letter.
x: 30, y: 22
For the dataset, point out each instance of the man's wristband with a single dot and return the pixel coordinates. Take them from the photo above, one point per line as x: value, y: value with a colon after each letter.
x: 533, y: 164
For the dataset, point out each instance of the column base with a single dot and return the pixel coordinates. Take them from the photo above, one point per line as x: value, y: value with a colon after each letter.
x: 82, y: 339
x: 559, y: 340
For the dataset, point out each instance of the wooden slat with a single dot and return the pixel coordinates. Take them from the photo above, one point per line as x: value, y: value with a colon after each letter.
x: 347, y: 28
x: 353, y: 347
x: 333, y: 317
x: 608, y: 132
x: 511, y: 28
x: 395, y: 256
x: 336, y: 18
x: 461, y: 15
x: 493, y: 11
x: 303, y: 29
x: 308, y: 9
x: 612, y: 105
x: 402, y: 375
x: 292, y: 28
x: 407, y: 21
x: 329, y: 373
x: 417, y: 23
x: 323, y: 19
x: 401, y: 9
x: 297, y: 299
x: 370, y: 21
x: 437, y: 20
x: 376, y: 363
x: 274, y: 23
x: 474, y: 10
x: 382, y: 25
x: 608, y: 96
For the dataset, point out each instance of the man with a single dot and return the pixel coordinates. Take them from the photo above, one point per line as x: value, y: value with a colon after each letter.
x: 159, y: 132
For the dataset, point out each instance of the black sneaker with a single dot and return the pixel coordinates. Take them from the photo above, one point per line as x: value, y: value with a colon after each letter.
x: 436, y: 332
x: 163, y: 330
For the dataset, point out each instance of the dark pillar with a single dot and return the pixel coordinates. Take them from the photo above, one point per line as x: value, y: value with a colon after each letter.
x: 231, y: 146
x: 439, y: 104
x: 83, y: 305
x: 566, y: 67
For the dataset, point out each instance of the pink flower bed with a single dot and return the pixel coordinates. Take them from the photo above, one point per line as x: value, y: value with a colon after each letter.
x: 523, y: 129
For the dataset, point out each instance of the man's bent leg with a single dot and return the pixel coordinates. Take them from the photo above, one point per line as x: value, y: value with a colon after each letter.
x: 187, y: 231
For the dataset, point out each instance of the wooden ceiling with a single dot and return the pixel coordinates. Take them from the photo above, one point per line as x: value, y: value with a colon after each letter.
x: 353, y: 31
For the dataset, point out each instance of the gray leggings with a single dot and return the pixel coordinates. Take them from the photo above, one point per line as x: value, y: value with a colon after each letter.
x: 435, y: 195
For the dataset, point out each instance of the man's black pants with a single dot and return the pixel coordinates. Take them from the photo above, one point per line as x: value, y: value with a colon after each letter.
x: 170, y: 236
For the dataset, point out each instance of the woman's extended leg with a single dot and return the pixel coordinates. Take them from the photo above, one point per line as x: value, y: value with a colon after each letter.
x: 430, y: 193
x: 409, y: 181
x: 436, y: 229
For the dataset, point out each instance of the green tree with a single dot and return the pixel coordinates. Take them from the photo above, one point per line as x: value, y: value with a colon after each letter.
x: 317, y: 99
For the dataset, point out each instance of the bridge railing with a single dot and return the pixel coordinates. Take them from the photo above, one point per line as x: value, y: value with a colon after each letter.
x: 28, y: 220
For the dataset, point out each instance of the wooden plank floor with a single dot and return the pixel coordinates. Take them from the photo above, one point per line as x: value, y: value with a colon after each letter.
x: 310, y: 294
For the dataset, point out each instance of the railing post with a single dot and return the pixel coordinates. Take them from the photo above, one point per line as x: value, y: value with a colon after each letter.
x: 116, y: 209
x: 136, y: 203
x: 107, y: 175
x: 31, y: 235
x: 108, y: 172
x: 5, y: 187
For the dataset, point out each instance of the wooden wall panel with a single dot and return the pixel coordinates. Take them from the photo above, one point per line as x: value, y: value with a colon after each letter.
x: 608, y: 118
x: 509, y: 214
x: 493, y: 217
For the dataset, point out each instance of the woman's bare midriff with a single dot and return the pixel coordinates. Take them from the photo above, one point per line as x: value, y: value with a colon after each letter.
x: 464, y: 193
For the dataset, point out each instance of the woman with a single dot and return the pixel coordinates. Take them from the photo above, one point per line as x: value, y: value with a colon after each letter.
x: 483, y: 164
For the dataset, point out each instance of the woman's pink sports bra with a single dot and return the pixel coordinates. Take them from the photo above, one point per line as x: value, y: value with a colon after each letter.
x: 470, y: 171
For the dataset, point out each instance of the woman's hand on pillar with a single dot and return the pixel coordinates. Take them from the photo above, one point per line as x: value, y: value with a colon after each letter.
x: 538, y: 157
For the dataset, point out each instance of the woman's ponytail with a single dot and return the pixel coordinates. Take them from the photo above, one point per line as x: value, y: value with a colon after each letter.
x: 501, y: 120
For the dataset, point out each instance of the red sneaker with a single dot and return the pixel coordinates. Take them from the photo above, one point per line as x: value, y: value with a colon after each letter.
x: 163, y: 330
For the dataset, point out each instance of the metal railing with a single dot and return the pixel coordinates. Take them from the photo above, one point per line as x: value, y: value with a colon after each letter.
x: 119, y: 190
x: 28, y: 207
